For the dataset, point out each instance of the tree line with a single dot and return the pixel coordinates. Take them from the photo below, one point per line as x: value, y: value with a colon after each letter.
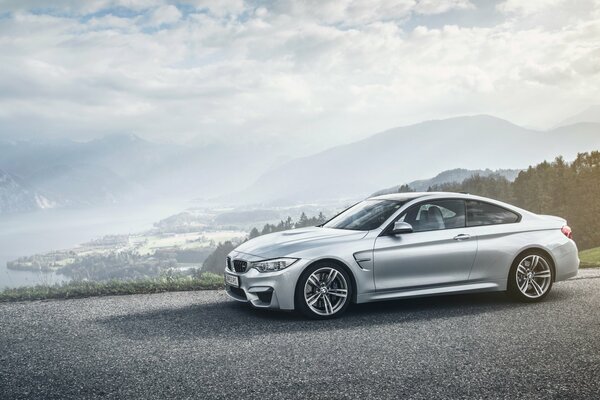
x: 288, y: 224
x: 566, y: 189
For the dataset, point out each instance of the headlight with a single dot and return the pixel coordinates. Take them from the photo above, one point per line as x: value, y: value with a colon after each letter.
x: 276, y: 264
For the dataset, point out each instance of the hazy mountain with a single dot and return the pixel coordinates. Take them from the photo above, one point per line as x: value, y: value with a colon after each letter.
x: 83, y: 185
x: 407, y: 153
x: 591, y: 114
x: 454, y: 175
x: 73, y: 173
x: 121, y: 168
x: 15, y: 197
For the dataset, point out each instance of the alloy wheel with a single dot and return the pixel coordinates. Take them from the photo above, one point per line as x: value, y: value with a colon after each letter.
x: 534, y: 276
x: 326, y: 291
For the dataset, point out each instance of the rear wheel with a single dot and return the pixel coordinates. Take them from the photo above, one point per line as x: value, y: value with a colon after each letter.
x: 531, y: 276
x: 323, y: 291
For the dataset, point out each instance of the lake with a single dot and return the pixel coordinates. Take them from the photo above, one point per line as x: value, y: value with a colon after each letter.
x: 47, y: 230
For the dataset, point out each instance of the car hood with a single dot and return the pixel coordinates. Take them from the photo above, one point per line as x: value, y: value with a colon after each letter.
x: 286, y: 243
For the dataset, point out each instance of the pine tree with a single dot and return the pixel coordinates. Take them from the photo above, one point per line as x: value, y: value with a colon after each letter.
x: 289, y: 223
x: 321, y: 218
x: 253, y: 233
x: 303, y: 221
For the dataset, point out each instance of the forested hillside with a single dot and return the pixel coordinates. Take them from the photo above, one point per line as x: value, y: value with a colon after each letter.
x: 569, y: 190
x: 450, y: 176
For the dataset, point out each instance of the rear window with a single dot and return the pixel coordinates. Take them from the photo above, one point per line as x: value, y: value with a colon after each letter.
x: 481, y: 213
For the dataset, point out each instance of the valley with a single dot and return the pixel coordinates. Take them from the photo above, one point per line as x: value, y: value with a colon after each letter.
x: 129, y: 256
x: 126, y: 243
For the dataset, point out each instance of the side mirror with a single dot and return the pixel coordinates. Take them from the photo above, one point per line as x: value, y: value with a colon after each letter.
x: 401, y: 227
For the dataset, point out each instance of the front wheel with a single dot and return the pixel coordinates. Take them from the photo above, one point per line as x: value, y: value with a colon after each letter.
x: 323, y: 291
x: 531, y: 276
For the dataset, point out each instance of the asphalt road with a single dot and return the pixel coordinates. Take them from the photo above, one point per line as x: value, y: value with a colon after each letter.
x: 200, y: 344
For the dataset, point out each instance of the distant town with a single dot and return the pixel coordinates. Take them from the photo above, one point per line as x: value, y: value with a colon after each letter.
x: 178, y: 244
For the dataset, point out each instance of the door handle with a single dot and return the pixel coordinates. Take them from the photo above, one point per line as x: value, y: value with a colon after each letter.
x: 462, y: 236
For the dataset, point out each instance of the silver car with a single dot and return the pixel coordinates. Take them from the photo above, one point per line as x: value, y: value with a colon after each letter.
x: 404, y: 245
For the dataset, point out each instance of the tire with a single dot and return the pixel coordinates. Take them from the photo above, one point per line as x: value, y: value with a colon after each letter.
x: 324, y: 291
x: 531, y: 276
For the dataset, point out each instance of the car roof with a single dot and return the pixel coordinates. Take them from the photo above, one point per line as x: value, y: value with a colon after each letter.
x: 408, y: 196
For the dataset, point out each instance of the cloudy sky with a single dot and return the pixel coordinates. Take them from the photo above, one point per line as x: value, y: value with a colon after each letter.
x: 320, y: 71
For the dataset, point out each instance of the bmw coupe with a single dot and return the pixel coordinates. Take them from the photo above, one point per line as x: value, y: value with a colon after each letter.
x: 404, y: 245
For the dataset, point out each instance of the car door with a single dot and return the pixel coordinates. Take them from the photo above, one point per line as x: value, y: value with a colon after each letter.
x: 499, y: 238
x: 440, y: 251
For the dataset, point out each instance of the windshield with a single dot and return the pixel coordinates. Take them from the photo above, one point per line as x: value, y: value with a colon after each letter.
x: 365, y: 216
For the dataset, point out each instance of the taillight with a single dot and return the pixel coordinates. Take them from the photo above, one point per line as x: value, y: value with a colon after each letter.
x: 566, y: 230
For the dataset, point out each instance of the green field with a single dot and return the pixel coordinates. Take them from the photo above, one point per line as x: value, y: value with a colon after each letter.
x: 590, y: 258
x: 76, y: 289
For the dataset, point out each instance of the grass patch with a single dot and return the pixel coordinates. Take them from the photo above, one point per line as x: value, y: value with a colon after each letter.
x: 77, y: 289
x: 590, y: 258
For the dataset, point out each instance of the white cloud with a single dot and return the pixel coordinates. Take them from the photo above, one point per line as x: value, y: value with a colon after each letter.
x: 221, y: 7
x: 527, y: 7
x: 438, y: 7
x: 324, y: 71
x: 355, y: 12
x: 76, y: 7
x: 166, y: 14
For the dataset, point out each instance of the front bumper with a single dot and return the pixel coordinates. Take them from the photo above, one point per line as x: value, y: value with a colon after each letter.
x: 266, y: 289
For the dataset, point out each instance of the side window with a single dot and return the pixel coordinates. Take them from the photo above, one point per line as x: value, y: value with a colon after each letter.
x: 480, y: 213
x: 436, y: 215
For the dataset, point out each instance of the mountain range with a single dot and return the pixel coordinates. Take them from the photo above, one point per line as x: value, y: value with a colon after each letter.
x: 123, y: 168
x: 120, y: 168
x: 403, y: 154
x: 16, y: 197
x: 590, y: 114
x: 457, y: 175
